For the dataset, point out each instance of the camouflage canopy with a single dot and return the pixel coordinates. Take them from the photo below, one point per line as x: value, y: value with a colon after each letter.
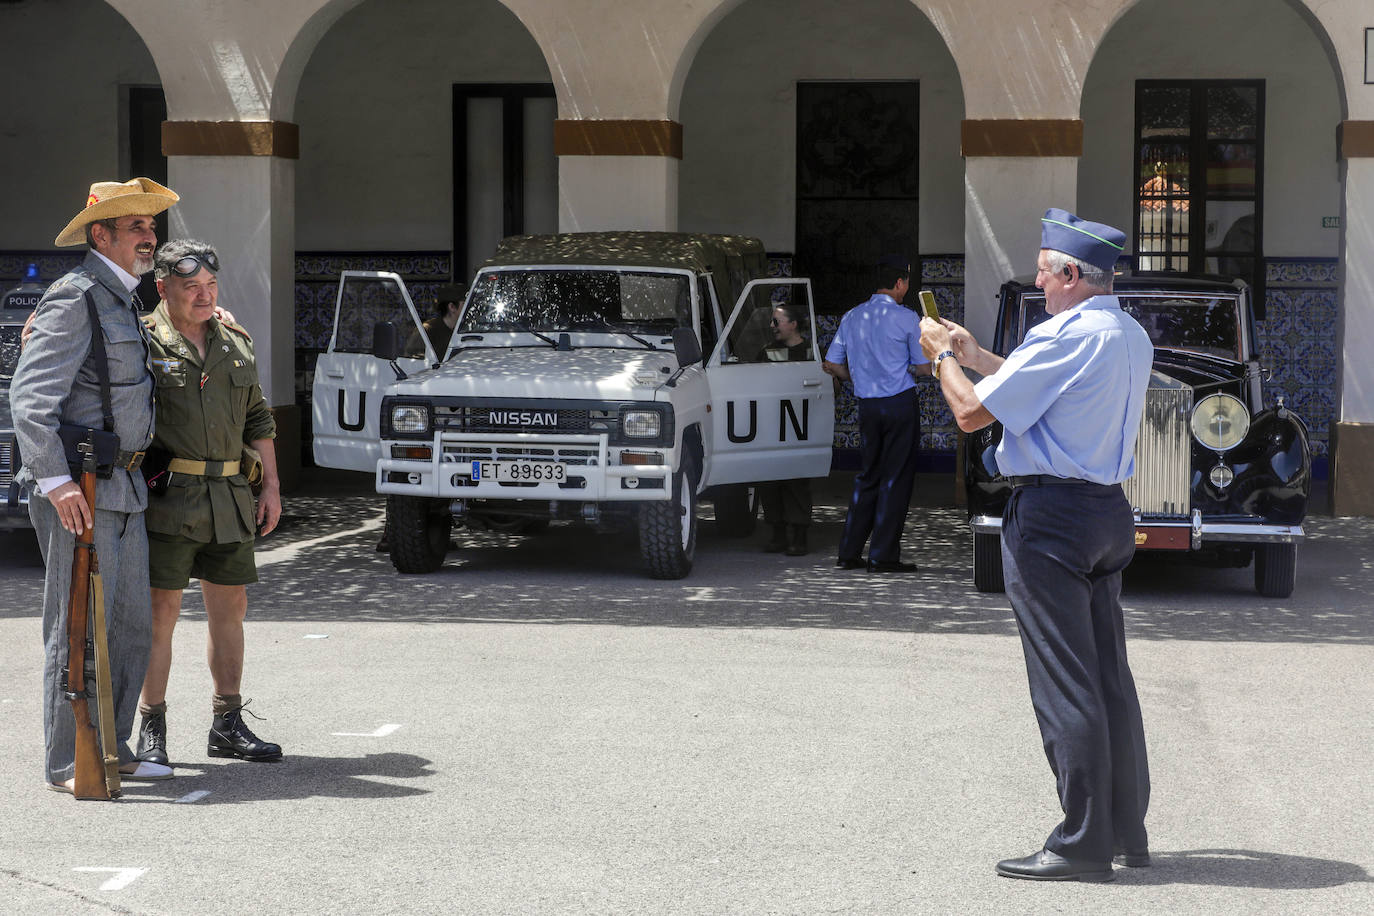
x: 731, y: 260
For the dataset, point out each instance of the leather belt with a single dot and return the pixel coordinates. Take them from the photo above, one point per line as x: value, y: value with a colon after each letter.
x: 203, y: 468
x: 129, y: 461
x: 1046, y: 480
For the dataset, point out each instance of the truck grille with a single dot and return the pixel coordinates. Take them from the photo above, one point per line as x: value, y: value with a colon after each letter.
x: 478, y: 420
x: 1163, y: 452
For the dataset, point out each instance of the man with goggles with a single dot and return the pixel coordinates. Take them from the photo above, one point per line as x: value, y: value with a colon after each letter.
x: 209, y: 407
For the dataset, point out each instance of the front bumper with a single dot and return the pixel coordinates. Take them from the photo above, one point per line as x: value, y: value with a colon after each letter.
x: 1182, y: 534
x: 596, y: 471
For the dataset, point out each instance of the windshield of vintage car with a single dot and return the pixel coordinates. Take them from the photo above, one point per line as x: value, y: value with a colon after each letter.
x: 605, y: 301
x: 1202, y: 324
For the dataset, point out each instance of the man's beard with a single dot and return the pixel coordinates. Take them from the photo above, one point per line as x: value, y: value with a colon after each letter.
x: 142, y: 266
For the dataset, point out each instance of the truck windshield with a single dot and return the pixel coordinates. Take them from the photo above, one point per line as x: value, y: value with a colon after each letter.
x: 578, y: 300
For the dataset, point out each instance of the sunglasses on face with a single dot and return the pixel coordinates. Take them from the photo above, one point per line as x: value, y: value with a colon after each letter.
x: 190, y: 265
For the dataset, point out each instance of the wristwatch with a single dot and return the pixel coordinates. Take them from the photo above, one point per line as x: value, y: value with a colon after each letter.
x: 935, y: 364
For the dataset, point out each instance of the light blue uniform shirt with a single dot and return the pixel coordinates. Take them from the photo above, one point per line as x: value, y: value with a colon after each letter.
x: 879, y: 340
x: 1071, y: 396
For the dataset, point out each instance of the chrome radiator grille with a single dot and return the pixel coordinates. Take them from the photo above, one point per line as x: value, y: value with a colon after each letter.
x: 1163, y: 453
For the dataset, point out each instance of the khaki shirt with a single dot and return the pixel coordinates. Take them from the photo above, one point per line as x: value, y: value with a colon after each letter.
x: 207, y: 410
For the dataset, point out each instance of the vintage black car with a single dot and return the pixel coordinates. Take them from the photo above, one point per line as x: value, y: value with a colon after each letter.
x: 1219, y: 476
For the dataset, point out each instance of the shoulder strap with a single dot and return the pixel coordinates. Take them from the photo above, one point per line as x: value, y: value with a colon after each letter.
x: 102, y: 364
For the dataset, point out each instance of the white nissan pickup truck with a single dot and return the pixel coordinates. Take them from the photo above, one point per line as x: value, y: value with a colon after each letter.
x: 609, y: 379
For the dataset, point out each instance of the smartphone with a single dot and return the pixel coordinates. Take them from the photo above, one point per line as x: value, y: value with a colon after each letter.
x: 928, y: 307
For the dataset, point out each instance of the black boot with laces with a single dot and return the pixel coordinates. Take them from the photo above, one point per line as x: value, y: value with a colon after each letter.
x: 231, y: 737
x: 152, y: 738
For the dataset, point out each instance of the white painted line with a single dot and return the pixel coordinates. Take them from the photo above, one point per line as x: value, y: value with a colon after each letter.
x: 123, y: 877
x: 315, y: 636
x: 290, y: 551
x: 192, y: 797
x: 379, y: 733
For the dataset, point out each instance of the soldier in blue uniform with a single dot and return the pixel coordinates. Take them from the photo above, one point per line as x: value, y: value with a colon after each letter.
x: 878, y: 349
x: 1070, y: 400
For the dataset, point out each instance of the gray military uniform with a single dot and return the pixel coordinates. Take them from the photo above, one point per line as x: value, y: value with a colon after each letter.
x: 54, y: 383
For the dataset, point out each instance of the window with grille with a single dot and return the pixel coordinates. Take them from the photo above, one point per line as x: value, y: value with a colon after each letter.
x: 1199, y: 177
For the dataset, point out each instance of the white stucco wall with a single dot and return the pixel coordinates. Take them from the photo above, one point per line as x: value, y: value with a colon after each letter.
x: 375, y: 113
x: 738, y: 111
x: 62, y: 69
x: 1222, y: 39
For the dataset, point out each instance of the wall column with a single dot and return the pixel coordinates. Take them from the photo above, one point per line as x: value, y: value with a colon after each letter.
x: 1013, y: 171
x: 237, y: 182
x: 1352, y: 438
x: 617, y: 174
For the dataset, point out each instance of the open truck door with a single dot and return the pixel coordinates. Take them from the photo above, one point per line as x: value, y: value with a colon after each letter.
x: 775, y: 417
x: 346, y: 396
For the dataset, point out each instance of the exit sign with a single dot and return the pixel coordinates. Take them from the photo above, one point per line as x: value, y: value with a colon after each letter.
x: 1331, y: 222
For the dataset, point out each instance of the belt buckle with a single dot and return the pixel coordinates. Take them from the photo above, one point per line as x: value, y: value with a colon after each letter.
x: 135, y: 461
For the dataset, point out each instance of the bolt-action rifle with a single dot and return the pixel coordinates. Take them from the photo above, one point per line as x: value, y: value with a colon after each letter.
x: 97, y: 758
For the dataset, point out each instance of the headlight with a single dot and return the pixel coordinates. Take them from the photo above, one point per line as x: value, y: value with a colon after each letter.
x: 409, y: 418
x: 640, y: 424
x: 1220, y: 421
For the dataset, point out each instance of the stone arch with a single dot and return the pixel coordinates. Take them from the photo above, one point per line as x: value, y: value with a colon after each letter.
x: 65, y: 65
x: 1259, y: 39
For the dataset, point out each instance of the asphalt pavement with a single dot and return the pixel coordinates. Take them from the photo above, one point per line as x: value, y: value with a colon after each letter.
x: 539, y: 728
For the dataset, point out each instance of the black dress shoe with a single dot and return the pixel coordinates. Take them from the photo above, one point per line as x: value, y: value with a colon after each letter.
x: 778, y: 542
x: 231, y: 737
x: 796, y: 541
x: 1132, y: 858
x: 1051, y: 866
x: 850, y: 563
x: 896, y: 566
x: 152, y: 739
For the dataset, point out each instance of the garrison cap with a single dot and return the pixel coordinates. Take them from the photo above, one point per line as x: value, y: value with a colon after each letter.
x: 1098, y: 244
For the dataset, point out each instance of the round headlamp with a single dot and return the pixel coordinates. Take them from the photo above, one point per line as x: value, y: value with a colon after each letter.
x: 1220, y: 422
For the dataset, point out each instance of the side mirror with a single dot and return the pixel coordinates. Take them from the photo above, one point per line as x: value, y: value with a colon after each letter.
x: 686, y: 347
x: 386, y: 341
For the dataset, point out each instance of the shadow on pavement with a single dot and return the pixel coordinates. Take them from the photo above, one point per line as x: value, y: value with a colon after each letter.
x: 321, y: 566
x: 1244, y: 868
x: 294, y: 777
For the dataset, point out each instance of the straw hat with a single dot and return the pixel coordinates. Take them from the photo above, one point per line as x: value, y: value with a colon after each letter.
x: 110, y: 199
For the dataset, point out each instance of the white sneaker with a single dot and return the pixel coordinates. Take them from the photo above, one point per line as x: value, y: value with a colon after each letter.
x: 144, y: 770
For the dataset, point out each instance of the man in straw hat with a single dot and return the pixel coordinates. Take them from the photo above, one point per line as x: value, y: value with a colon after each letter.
x: 1069, y: 398
x: 55, y: 383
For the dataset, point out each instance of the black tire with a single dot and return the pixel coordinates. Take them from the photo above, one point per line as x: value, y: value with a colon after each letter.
x: 987, y: 563
x: 419, y: 531
x: 1276, y: 569
x: 668, y: 530
x: 736, y: 510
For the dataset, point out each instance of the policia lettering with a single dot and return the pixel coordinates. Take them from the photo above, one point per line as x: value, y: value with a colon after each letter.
x: 787, y: 416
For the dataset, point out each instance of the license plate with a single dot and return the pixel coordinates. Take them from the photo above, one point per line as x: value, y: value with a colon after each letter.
x: 521, y: 471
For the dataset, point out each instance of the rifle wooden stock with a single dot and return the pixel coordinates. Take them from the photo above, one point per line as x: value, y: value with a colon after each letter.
x: 90, y: 781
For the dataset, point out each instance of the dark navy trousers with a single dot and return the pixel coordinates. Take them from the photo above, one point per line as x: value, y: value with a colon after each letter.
x: 1064, y: 545
x: 891, y: 431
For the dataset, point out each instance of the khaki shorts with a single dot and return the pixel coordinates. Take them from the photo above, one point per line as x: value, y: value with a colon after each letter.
x: 173, y: 561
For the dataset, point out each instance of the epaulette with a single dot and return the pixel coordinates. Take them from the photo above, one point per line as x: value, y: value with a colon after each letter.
x: 237, y: 329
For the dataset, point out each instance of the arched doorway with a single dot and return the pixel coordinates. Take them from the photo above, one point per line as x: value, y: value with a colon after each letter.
x: 82, y: 104
x: 831, y: 132
x: 426, y: 136
x: 1208, y: 133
